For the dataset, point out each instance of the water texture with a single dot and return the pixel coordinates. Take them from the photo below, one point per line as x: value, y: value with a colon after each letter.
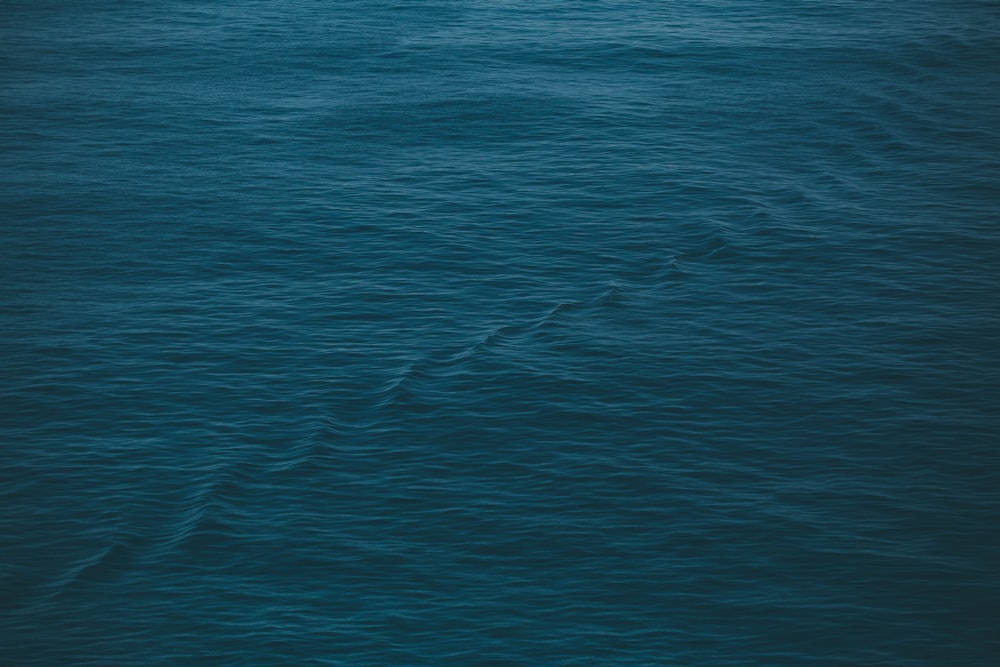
x: 495, y: 332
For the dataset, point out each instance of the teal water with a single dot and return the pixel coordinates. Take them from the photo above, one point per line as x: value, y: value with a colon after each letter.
x: 487, y: 332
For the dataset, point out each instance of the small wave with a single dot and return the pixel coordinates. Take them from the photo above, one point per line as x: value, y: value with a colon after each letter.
x: 712, y: 245
x: 107, y: 562
x: 443, y: 362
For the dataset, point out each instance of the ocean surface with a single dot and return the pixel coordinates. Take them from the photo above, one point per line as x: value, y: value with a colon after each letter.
x: 497, y: 332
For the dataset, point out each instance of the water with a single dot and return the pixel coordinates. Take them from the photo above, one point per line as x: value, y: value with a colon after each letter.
x: 488, y: 332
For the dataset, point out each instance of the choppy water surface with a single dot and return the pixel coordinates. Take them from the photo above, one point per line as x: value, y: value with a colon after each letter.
x: 499, y: 333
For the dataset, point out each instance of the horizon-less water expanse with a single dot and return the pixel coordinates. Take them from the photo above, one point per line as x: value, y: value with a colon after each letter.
x: 495, y: 332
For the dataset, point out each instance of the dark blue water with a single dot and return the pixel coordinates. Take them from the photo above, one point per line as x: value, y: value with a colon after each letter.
x: 495, y: 332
